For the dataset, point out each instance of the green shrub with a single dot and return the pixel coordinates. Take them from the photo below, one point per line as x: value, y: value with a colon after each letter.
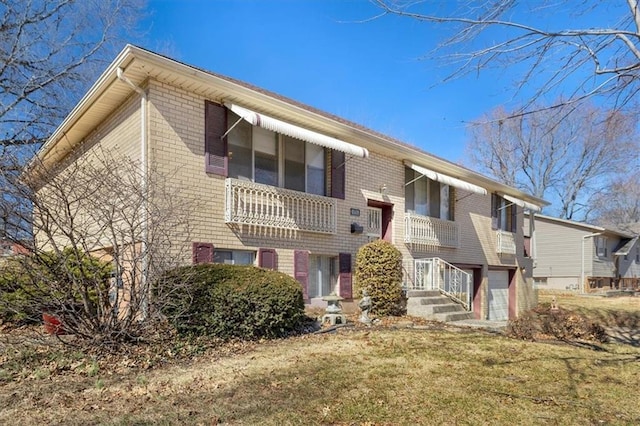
x: 68, y: 284
x: 379, y: 270
x: 229, y: 301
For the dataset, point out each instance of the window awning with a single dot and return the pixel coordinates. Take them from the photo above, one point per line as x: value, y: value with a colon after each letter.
x: 293, y: 131
x: 447, y: 180
x: 522, y: 203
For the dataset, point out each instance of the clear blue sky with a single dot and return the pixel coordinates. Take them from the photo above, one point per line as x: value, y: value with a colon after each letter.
x: 319, y: 52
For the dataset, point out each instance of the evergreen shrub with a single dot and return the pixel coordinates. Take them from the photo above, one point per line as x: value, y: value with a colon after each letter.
x: 379, y: 271
x: 232, y: 301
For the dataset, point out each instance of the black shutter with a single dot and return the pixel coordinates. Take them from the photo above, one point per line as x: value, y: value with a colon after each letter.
x: 202, y: 253
x: 452, y: 203
x: 215, y: 148
x: 267, y: 258
x: 301, y: 270
x: 514, y: 218
x: 346, y: 289
x: 338, y: 167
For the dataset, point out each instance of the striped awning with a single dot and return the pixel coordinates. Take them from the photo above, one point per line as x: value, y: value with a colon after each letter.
x: 447, y: 180
x: 522, y: 203
x: 275, y: 125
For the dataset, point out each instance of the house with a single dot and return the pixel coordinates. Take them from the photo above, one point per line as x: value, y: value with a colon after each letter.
x: 285, y: 186
x: 578, y: 256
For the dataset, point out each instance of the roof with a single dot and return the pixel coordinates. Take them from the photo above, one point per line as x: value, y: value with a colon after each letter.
x: 586, y: 226
x: 139, y: 65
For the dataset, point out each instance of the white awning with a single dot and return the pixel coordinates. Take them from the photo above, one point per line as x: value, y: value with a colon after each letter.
x: 447, y: 180
x: 522, y: 203
x: 288, y: 129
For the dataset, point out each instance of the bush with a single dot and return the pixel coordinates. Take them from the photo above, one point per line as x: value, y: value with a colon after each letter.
x: 560, y: 324
x: 229, y: 301
x: 379, y: 271
x: 67, y: 284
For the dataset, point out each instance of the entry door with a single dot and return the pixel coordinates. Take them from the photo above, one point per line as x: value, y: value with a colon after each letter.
x: 499, y: 295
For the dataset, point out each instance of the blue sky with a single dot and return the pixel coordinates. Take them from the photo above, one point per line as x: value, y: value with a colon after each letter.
x: 321, y: 53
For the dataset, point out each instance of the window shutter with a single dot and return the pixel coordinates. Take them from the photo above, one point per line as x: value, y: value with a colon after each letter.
x: 514, y: 218
x: 452, y: 203
x: 202, y: 253
x: 495, y: 217
x: 267, y: 258
x: 344, y: 260
x: 301, y: 270
x: 527, y: 246
x: 215, y: 148
x: 338, y: 167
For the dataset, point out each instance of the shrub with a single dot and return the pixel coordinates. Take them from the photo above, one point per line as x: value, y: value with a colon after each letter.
x: 69, y: 284
x: 229, y: 301
x: 379, y: 270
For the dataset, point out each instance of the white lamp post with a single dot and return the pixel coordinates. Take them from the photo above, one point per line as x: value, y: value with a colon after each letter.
x: 584, y: 237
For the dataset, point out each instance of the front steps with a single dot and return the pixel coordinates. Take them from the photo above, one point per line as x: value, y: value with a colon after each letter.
x: 432, y: 305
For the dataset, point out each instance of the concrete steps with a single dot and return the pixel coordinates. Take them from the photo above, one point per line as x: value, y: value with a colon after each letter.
x: 432, y: 305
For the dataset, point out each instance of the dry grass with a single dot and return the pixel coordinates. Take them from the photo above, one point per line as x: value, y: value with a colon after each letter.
x: 371, y: 376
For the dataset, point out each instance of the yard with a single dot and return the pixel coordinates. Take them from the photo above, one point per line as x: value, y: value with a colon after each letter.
x: 432, y: 374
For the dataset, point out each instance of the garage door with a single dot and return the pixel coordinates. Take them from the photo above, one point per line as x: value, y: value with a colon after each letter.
x: 499, y: 295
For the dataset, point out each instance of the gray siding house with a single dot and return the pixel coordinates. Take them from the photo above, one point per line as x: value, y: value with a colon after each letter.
x: 569, y: 255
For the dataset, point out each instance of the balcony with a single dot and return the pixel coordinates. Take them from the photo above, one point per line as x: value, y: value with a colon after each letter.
x: 423, y: 232
x: 506, y: 242
x: 254, y: 204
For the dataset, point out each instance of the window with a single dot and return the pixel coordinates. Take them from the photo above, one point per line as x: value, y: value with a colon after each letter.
x: 503, y: 214
x: 601, y: 246
x: 427, y: 197
x: 322, y: 275
x: 266, y: 157
x: 233, y: 257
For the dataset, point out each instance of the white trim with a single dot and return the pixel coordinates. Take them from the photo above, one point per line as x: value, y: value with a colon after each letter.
x: 522, y: 203
x: 447, y: 180
x: 293, y: 131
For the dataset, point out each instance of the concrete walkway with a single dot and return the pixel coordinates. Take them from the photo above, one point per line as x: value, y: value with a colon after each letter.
x: 497, y: 326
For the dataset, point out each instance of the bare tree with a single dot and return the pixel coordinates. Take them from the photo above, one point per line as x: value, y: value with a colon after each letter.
x: 50, y: 50
x: 102, y: 238
x: 566, y: 154
x: 527, y: 37
x: 619, y: 205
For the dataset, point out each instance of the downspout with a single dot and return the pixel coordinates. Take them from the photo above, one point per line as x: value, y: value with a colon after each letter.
x: 143, y: 182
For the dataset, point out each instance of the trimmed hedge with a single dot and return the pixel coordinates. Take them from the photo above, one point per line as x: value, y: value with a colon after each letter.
x: 379, y: 270
x: 231, y: 301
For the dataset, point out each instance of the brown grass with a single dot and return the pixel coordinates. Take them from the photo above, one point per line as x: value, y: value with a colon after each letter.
x: 381, y: 376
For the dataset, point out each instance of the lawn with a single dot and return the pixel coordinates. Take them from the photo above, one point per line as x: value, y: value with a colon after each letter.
x: 428, y: 375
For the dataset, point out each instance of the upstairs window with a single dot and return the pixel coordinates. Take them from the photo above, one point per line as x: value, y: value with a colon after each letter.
x: 427, y: 197
x: 503, y: 214
x: 601, y: 246
x: 266, y: 157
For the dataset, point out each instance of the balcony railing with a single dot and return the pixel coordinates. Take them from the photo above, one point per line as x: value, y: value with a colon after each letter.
x: 423, y: 232
x: 254, y: 204
x: 506, y: 242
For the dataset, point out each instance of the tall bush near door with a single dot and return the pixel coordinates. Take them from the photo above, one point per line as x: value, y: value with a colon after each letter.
x: 379, y: 270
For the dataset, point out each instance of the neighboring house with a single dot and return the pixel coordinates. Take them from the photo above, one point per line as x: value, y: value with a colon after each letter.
x: 10, y: 248
x: 285, y: 186
x: 577, y: 256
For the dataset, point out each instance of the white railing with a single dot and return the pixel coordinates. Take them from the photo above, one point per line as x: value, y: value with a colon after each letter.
x: 374, y: 223
x: 437, y: 274
x: 249, y: 203
x: 423, y: 232
x: 506, y: 242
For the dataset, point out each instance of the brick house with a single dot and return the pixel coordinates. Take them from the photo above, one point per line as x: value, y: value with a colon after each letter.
x: 288, y: 187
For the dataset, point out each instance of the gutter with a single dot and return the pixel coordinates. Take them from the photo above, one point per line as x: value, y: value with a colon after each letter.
x: 143, y: 183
